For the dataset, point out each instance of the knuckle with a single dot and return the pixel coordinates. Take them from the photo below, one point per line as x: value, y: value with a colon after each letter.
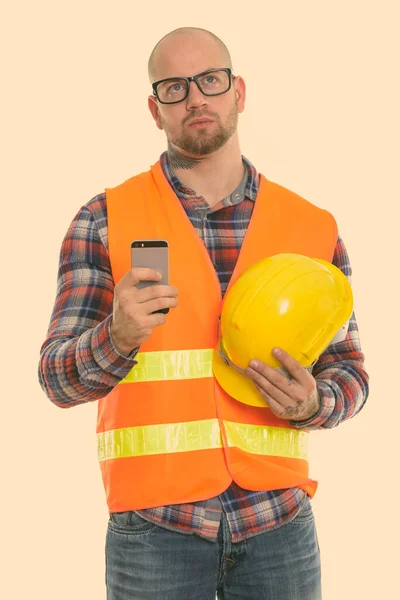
x: 300, y: 395
x: 123, y: 299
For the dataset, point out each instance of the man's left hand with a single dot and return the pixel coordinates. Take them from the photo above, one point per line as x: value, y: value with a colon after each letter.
x: 295, y: 398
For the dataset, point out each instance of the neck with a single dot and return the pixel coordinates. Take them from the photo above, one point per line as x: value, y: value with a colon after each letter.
x: 213, y: 176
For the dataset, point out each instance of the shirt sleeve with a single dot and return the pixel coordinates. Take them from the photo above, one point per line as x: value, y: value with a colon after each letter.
x: 78, y: 360
x: 342, y: 381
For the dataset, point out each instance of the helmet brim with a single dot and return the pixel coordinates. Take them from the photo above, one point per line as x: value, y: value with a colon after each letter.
x: 235, y: 384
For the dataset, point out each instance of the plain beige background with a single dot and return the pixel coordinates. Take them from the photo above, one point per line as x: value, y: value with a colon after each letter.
x: 321, y: 119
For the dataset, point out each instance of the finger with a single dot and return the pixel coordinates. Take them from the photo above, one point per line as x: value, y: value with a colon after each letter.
x: 156, y: 291
x: 280, y: 396
x: 138, y: 274
x: 155, y: 320
x: 274, y: 375
x: 275, y: 406
x: 296, y: 370
x: 158, y: 304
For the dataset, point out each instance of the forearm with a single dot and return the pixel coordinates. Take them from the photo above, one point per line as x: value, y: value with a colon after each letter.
x: 343, y: 390
x: 342, y: 382
x: 83, y: 368
x: 341, y: 378
x: 78, y: 360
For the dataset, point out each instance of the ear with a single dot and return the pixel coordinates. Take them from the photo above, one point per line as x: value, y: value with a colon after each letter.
x: 153, y: 107
x: 240, y: 91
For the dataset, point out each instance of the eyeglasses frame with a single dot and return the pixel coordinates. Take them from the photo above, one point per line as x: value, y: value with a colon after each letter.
x: 195, y: 79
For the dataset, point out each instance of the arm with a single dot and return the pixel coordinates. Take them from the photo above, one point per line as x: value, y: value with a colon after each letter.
x: 78, y: 361
x: 342, y: 381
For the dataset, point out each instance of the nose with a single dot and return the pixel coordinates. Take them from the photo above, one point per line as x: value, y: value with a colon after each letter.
x: 195, y: 97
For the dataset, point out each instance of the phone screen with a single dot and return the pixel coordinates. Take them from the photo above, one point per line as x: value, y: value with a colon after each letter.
x: 153, y: 254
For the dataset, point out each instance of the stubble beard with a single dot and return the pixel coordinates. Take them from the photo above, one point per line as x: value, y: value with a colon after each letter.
x: 201, y: 142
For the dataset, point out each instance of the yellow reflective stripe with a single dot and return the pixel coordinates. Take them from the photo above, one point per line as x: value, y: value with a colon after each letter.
x: 271, y: 441
x: 171, y: 364
x: 201, y: 435
x: 159, y: 439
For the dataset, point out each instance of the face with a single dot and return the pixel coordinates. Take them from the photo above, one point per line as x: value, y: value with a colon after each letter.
x: 184, y: 57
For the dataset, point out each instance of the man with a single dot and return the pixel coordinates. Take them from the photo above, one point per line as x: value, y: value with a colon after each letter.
x: 168, y: 539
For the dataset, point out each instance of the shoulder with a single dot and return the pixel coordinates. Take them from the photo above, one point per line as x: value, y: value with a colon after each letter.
x: 96, y: 211
x: 289, y: 195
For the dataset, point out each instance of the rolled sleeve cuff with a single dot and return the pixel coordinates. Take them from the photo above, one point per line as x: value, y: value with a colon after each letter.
x: 105, y: 353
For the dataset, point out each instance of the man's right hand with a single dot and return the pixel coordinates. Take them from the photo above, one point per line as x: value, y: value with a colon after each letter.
x: 132, y: 322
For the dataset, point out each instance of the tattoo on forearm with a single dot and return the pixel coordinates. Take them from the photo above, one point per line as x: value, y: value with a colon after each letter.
x: 179, y: 161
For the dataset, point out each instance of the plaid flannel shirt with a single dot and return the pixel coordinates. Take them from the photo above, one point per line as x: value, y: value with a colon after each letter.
x: 79, y: 362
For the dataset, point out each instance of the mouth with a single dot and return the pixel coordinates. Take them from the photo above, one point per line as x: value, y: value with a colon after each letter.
x: 197, y: 123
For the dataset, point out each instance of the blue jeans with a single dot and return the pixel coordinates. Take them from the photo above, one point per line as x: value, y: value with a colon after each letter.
x: 147, y: 562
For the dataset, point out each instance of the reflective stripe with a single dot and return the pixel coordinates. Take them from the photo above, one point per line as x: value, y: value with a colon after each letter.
x: 271, y: 441
x: 201, y: 435
x: 159, y: 439
x: 171, y: 364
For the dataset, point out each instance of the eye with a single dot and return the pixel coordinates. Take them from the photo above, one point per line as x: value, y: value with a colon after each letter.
x: 209, y: 79
x: 174, y: 88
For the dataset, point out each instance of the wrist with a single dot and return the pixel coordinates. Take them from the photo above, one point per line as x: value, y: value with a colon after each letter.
x: 120, y: 346
x: 313, y: 410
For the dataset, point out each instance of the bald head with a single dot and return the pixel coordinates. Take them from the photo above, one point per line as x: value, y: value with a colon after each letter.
x: 188, y: 37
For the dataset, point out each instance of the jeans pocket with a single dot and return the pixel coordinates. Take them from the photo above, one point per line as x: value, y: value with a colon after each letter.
x: 305, y: 514
x: 129, y: 522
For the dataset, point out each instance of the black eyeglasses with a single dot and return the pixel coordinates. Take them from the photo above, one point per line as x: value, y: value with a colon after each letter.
x: 210, y: 83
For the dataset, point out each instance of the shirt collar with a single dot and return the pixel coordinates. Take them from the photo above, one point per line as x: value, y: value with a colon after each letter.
x: 248, y: 188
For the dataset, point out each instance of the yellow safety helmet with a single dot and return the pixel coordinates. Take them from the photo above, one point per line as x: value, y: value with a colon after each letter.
x: 287, y: 300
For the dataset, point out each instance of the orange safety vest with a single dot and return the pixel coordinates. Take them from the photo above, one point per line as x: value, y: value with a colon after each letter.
x: 168, y: 433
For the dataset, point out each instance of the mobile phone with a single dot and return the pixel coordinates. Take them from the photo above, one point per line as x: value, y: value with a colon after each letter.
x: 153, y: 254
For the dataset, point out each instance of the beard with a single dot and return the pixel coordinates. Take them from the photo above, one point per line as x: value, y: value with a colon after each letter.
x: 201, y: 141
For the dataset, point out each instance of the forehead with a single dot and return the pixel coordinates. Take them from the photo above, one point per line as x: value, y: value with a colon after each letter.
x: 183, y: 56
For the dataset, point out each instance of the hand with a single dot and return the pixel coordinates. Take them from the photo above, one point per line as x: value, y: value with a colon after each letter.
x: 132, y: 320
x: 294, y: 398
